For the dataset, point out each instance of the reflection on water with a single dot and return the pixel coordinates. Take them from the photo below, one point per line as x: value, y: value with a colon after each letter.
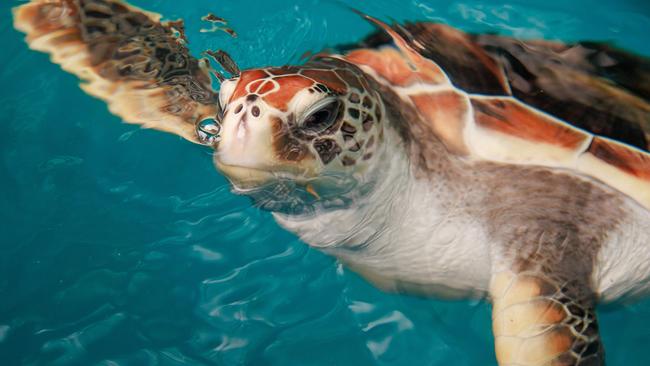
x: 124, y: 247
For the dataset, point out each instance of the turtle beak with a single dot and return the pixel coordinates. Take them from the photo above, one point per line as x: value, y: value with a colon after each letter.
x: 244, y: 149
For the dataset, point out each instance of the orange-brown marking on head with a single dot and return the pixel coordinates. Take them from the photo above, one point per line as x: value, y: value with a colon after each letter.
x: 511, y: 118
x: 289, y: 86
x: 621, y: 156
x: 246, y: 78
x: 329, y: 78
x: 446, y: 113
x: 278, y: 86
x: 255, y: 85
x: 351, y: 79
x: 266, y: 87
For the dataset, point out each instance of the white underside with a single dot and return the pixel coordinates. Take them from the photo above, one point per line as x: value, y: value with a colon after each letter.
x: 623, y: 269
x: 401, y: 240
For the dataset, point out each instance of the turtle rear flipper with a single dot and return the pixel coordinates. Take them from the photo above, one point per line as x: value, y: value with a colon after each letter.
x: 125, y: 57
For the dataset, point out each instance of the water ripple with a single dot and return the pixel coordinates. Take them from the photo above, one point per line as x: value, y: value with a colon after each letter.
x: 123, y: 246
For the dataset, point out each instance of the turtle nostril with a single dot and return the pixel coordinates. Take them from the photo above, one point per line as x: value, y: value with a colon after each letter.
x: 255, y: 111
x: 238, y: 109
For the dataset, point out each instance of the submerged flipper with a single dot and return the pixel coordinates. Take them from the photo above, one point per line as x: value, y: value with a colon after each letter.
x: 126, y: 57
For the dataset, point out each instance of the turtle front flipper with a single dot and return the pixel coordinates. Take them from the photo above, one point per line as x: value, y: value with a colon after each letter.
x: 126, y: 57
x: 540, y: 320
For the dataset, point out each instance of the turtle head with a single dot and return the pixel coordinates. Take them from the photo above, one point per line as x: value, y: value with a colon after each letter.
x: 316, y: 127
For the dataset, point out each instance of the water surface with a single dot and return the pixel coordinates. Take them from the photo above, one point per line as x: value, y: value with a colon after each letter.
x: 122, y: 246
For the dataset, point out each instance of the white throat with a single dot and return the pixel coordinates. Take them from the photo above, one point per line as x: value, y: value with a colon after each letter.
x: 399, y: 237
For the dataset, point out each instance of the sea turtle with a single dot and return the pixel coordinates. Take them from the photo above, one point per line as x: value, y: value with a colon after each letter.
x: 427, y: 159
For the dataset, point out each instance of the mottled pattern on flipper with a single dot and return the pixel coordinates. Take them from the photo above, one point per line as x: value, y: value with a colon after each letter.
x: 126, y: 57
x: 541, y: 320
x: 549, y: 229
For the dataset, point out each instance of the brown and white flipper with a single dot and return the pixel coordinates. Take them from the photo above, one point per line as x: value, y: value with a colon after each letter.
x: 126, y: 57
x: 541, y: 320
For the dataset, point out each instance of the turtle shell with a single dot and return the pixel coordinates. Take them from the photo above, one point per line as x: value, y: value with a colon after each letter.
x: 580, y: 107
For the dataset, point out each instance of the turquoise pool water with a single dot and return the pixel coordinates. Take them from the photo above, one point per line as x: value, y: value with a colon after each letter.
x: 121, y: 246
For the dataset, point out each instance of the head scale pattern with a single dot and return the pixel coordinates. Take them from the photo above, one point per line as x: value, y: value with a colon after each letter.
x: 349, y: 139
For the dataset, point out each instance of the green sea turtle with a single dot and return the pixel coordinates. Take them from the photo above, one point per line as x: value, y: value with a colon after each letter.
x: 428, y: 160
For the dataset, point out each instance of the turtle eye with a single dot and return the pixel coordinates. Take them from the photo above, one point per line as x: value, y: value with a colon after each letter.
x: 322, y: 118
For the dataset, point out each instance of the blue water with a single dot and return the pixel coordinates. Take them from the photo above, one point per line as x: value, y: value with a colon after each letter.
x: 121, y: 246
